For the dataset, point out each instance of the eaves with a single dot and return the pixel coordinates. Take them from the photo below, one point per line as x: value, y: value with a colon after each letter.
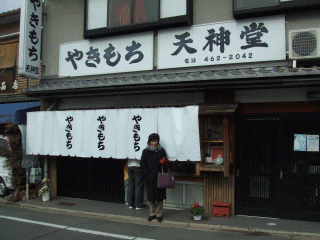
x: 176, y: 80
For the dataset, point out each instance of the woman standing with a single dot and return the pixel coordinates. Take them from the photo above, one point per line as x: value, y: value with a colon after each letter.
x: 150, y: 163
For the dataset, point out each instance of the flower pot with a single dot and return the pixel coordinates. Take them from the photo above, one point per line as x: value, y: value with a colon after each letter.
x: 197, y: 217
x: 46, y: 196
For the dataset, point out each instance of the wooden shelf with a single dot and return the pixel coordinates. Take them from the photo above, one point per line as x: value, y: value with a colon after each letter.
x: 211, y: 168
x: 219, y: 120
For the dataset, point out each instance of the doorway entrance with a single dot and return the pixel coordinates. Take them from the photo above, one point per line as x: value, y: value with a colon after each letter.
x: 277, y: 176
x: 91, y: 178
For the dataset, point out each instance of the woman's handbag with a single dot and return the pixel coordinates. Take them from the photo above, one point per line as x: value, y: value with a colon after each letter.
x: 165, y: 180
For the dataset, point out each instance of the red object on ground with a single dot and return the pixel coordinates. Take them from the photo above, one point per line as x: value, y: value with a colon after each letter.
x: 221, y: 209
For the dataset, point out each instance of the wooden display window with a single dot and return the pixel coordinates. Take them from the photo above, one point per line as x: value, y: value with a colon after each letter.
x: 216, y: 127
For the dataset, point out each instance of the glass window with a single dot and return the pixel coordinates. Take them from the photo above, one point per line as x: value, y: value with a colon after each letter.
x: 97, y: 14
x: 243, y: 4
x: 105, y: 18
x: 254, y: 8
x: 120, y: 13
x: 126, y: 12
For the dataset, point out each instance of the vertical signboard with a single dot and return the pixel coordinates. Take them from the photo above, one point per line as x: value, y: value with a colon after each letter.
x: 30, y: 38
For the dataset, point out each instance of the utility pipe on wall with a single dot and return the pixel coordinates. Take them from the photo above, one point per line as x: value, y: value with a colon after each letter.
x: 45, y: 164
x: 45, y: 167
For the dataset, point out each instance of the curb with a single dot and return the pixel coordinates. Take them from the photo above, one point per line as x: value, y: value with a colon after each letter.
x: 168, y: 223
x: 205, y: 227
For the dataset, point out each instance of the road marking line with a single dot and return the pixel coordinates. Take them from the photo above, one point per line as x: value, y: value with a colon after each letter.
x: 33, y: 222
x: 73, y: 229
x: 143, y: 239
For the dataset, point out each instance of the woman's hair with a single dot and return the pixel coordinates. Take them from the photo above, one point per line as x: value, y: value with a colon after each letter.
x: 154, y: 136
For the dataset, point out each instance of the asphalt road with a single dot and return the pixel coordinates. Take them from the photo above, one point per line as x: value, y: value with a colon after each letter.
x: 18, y: 223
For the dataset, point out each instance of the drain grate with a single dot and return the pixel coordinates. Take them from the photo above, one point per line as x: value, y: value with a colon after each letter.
x: 66, y: 204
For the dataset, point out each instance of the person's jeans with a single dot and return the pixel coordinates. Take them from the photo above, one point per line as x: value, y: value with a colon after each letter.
x: 136, y: 187
x: 126, y: 184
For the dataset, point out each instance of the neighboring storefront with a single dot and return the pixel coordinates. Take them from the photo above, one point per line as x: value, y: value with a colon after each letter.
x: 251, y: 102
x: 13, y: 104
x: 11, y: 84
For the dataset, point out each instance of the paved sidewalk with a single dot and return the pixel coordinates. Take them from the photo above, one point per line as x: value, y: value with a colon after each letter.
x: 288, y: 229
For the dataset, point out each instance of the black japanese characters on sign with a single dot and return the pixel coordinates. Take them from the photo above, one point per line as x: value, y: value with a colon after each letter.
x: 111, y: 56
x: 136, y: 130
x: 93, y: 55
x: 109, y: 53
x: 101, y: 119
x: 219, y: 39
x: 32, y: 69
x: 132, y: 51
x: 69, y: 131
x: 34, y: 38
x: 183, y: 44
x: 72, y: 56
x: 36, y: 3
x: 252, y: 35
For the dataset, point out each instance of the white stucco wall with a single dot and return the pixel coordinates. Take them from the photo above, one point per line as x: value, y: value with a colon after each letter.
x: 64, y: 22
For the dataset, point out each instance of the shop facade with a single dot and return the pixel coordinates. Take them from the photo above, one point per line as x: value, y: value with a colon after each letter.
x: 253, y: 98
x: 11, y: 83
x: 13, y: 104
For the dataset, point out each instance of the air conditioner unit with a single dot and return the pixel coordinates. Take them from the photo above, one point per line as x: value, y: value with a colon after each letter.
x: 304, y: 43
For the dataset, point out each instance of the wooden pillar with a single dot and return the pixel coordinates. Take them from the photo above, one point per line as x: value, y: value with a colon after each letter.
x: 51, y: 161
x: 53, y: 175
x: 218, y: 188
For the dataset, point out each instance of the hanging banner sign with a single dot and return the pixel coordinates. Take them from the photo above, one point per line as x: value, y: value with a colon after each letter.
x: 243, y: 41
x: 116, y: 133
x: 107, y: 55
x: 133, y: 129
x: 30, y: 38
x: 175, y: 126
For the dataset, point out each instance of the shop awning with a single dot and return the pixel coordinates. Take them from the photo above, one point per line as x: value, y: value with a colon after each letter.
x: 186, y: 79
x: 17, y: 112
x: 114, y: 133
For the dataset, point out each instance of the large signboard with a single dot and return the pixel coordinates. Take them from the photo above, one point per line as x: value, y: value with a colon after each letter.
x: 250, y: 40
x: 107, y: 55
x: 30, y: 38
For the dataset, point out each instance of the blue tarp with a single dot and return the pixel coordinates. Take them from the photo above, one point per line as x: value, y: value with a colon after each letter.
x: 17, y: 112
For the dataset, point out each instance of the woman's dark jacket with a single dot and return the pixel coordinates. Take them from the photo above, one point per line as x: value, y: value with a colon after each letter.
x: 151, y: 166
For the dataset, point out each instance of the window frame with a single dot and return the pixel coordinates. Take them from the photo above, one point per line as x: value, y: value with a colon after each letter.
x: 278, y: 8
x: 171, y: 22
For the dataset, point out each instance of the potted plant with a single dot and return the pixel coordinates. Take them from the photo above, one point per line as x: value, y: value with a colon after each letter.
x: 197, y: 211
x: 45, y: 190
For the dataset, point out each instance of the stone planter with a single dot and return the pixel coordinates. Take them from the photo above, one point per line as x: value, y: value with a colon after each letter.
x: 46, y: 196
